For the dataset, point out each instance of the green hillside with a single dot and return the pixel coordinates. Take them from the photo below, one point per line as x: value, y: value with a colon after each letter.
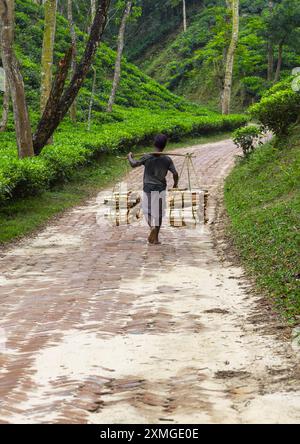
x: 192, y: 63
x: 136, y: 89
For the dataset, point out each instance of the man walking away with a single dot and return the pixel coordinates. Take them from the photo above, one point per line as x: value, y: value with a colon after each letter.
x: 157, y: 167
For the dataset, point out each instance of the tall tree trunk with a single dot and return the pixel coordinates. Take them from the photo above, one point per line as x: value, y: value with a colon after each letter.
x: 93, y: 9
x: 5, y: 110
x: 93, y: 13
x: 15, y: 80
x: 117, y: 73
x: 74, y: 53
x: 226, y: 99
x: 47, y: 51
x: 279, y: 62
x: 184, y: 16
x: 55, y: 112
x: 91, y: 103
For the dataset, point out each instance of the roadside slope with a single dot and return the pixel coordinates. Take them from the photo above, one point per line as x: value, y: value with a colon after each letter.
x: 262, y: 197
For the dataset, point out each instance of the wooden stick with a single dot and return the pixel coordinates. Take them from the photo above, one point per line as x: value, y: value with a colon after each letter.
x: 161, y: 154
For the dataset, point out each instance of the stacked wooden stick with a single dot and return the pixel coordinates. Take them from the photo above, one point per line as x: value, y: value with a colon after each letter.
x: 124, y: 207
x: 186, y: 208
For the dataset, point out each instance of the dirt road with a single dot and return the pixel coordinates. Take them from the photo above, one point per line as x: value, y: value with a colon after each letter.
x: 98, y: 327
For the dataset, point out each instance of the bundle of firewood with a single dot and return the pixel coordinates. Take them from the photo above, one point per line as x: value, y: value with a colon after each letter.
x: 124, y: 200
x: 186, y: 208
x: 124, y: 207
x: 184, y: 198
x: 124, y: 217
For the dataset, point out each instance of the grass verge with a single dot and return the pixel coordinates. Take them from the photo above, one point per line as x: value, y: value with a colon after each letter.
x: 262, y: 197
x: 20, y: 217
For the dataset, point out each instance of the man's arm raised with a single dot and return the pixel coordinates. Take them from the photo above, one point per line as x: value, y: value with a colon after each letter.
x: 134, y: 163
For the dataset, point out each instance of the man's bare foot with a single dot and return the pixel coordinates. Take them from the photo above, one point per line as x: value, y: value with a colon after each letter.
x: 155, y: 238
x: 152, y: 236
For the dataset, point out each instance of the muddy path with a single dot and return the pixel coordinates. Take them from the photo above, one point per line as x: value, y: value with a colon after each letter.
x: 98, y: 327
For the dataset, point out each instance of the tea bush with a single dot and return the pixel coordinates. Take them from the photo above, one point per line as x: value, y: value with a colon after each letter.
x: 279, y: 108
x: 75, y: 147
x: 248, y: 138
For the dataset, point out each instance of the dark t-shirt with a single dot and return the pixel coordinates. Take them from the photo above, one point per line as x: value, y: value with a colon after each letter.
x: 156, y: 170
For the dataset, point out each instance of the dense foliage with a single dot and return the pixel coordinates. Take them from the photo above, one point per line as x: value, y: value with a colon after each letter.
x: 136, y: 89
x: 192, y: 63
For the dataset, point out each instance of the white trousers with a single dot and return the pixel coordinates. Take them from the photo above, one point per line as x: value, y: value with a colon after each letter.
x: 154, y: 207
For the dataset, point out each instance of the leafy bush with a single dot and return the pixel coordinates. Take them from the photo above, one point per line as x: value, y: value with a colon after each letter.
x: 278, y: 109
x: 248, y: 138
